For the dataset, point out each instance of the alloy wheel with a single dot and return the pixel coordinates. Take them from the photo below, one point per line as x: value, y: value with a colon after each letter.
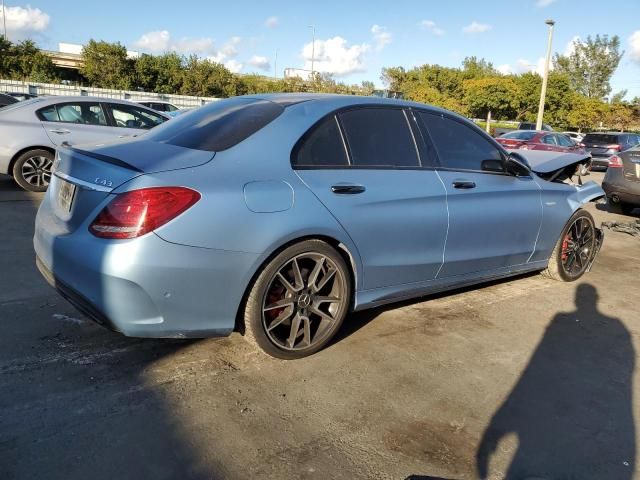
x: 577, y: 247
x: 36, y: 171
x: 304, y: 300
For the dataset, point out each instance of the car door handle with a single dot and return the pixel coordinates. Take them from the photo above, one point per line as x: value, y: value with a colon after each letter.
x: 464, y: 184
x: 344, y: 189
x: 60, y: 131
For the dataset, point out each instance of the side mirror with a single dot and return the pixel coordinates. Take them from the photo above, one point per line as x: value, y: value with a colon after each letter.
x: 518, y: 166
x: 496, y: 166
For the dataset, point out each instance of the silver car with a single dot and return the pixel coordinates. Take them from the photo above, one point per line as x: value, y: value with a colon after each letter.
x: 30, y: 131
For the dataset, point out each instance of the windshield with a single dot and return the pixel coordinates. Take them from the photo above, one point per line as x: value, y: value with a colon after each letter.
x: 600, y: 138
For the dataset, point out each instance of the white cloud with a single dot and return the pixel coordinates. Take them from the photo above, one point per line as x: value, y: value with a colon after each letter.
x: 260, y: 62
x: 523, y: 65
x: 544, y: 3
x: 25, y: 21
x: 381, y: 37
x: 161, y: 41
x: 272, y: 22
x: 634, y: 46
x: 475, y: 27
x: 233, y: 66
x: 335, y: 56
x: 431, y: 26
x: 571, y: 45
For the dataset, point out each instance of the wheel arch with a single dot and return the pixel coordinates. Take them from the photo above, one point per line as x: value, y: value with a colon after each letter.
x: 345, y: 251
x: 21, y: 152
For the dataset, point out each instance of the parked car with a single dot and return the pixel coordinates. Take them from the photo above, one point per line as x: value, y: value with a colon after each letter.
x: 603, y: 145
x: 278, y: 214
x: 622, y: 181
x: 499, y: 131
x: 539, y: 140
x: 161, y: 106
x: 6, y: 100
x: 575, y: 136
x: 31, y: 130
x: 20, y: 96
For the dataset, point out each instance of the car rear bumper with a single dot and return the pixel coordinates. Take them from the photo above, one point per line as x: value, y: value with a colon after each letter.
x: 146, y: 287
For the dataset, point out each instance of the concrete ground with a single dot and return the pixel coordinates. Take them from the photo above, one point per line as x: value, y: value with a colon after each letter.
x: 521, y: 378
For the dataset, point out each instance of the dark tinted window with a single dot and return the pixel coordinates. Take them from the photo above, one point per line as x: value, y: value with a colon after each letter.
x: 459, y: 146
x: 527, y: 126
x: 600, y: 139
x: 521, y: 135
x: 322, y: 147
x: 379, y: 137
x: 218, y: 125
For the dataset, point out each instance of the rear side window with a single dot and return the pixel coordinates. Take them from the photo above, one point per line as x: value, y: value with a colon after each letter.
x: 85, y: 113
x: 565, y: 141
x: 219, y: 125
x: 549, y: 140
x: 600, y: 138
x: 524, y: 135
x: 322, y: 147
x: 379, y: 137
x: 459, y: 147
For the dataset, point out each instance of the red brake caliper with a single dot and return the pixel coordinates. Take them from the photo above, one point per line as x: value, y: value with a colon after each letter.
x: 275, y: 295
x: 565, y: 247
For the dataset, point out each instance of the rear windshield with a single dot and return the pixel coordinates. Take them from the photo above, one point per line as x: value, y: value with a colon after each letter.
x: 219, y: 125
x: 528, y: 135
x: 598, y: 138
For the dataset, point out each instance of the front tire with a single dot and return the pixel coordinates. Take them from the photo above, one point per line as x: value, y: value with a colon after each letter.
x: 298, y: 301
x: 32, y: 170
x: 575, y: 248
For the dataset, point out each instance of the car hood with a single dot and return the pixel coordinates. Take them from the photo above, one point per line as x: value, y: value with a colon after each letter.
x: 547, y: 162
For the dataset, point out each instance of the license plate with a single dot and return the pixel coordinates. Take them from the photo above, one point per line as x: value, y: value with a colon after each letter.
x: 66, y: 193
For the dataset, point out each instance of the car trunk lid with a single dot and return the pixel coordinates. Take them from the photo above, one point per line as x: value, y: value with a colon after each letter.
x: 84, y: 178
x: 631, y: 165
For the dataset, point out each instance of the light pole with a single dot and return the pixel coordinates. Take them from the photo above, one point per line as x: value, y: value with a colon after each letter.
x: 545, y: 77
x: 313, y: 48
x: 4, y: 20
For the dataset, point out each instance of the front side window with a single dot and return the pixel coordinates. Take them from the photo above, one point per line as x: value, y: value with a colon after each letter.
x: 379, y: 137
x: 322, y: 147
x: 128, y: 116
x: 459, y: 147
x: 85, y: 113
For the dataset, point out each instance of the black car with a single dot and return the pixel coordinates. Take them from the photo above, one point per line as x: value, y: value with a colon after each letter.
x: 6, y: 100
x: 532, y: 126
x: 622, y: 181
x: 603, y: 145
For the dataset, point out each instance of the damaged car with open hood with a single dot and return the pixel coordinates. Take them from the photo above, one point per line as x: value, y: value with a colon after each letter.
x: 278, y: 215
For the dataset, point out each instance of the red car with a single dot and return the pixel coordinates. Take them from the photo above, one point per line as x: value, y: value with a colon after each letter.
x: 540, y: 140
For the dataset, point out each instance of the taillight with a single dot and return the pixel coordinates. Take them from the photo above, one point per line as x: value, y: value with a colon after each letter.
x: 615, y: 162
x: 615, y: 147
x: 132, y: 214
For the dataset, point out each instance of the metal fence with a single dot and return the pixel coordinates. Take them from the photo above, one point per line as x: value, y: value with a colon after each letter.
x: 185, y: 101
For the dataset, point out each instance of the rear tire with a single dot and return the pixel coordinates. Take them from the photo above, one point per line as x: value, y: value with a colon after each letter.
x: 565, y: 258
x: 622, y: 208
x: 32, y: 170
x: 298, y: 301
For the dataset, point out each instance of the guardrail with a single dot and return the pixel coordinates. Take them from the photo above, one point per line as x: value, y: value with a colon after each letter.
x: 185, y: 101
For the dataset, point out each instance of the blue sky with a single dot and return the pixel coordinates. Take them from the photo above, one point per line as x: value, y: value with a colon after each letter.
x: 354, y: 39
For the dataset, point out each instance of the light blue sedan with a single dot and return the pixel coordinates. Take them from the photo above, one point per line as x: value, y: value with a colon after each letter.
x: 277, y: 215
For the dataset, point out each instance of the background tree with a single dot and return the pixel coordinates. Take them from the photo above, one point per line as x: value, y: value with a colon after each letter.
x: 585, y: 112
x: 491, y: 97
x: 24, y: 61
x: 106, y: 65
x: 618, y: 116
x: 591, y: 65
x: 473, y: 67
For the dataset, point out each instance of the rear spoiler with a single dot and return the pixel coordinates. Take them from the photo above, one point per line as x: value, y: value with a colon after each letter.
x: 107, y: 159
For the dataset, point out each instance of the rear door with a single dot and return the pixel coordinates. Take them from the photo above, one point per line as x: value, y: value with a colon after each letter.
x: 370, y: 168
x: 76, y: 123
x: 494, y: 217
